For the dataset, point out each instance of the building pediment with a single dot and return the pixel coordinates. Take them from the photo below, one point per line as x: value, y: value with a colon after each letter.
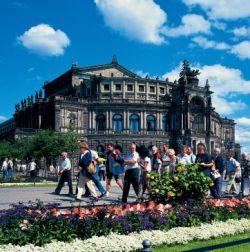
x: 109, y: 70
x: 114, y: 69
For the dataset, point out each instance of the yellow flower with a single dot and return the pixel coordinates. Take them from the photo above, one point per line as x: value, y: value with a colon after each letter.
x: 171, y: 194
x: 211, y: 184
x: 176, y: 178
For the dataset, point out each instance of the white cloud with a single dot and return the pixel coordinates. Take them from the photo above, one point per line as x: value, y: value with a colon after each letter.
x: 242, y: 31
x: 205, y: 43
x: 141, y: 20
x: 243, y: 121
x: 242, y: 50
x: 44, y: 40
x: 225, y: 107
x: 190, y: 24
x: 242, y: 133
x: 224, y: 81
x: 3, y: 118
x: 223, y: 9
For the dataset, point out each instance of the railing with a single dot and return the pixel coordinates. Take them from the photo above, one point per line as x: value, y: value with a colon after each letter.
x: 127, y: 132
x: 108, y: 101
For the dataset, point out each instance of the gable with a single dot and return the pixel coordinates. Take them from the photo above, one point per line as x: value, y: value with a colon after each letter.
x: 109, y: 70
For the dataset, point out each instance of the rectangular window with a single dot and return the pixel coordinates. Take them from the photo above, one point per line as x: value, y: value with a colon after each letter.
x: 152, y: 89
x: 162, y: 90
x: 141, y: 88
x: 118, y: 87
x: 106, y: 87
x: 129, y: 87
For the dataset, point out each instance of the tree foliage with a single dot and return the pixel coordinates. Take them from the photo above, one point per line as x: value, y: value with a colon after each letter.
x: 43, y: 144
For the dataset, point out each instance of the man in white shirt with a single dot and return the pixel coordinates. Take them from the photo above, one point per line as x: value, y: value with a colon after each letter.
x: 132, y: 172
x: 183, y: 158
x: 32, y: 169
x: 191, y: 155
x: 65, y: 172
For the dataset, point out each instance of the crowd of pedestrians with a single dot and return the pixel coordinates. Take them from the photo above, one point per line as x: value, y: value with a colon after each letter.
x: 132, y: 169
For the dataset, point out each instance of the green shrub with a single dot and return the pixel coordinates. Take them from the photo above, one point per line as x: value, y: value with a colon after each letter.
x: 188, y: 182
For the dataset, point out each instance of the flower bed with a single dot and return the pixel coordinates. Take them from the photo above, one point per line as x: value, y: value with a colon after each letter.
x: 40, y: 224
x: 116, y: 242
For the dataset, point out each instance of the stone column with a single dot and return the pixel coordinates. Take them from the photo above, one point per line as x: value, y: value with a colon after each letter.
x: 123, y: 89
x: 89, y: 119
x: 158, y: 121
x: 127, y: 116
x: 110, y: 120
x: 144, y: 121
x: 93, y: 119
x: 135, y: 90
x: 107, y: 120
x: 111, y: 88
x: 146, y: 87
x: 141, y: 121
x: 124, y: 120
x: 157, y: 92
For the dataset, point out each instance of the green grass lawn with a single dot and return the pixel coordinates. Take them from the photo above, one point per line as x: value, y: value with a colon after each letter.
x: 199, y: 244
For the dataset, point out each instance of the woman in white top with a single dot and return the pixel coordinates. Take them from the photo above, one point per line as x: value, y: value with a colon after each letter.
x: 5, y: 168
x: 145, y: 165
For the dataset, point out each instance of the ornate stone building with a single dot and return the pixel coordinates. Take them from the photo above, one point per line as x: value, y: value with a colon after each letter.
x: 109, y: 103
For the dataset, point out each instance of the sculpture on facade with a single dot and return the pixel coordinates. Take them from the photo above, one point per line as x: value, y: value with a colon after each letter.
x: 188, y: 75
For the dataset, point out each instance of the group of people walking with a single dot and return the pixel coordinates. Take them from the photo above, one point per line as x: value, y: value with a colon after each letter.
x: 133, y: 168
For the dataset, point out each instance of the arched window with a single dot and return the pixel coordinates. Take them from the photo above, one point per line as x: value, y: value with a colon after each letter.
x: 165, y: 123
x: 100, y: 122
x: 134, y: 122
x: 151, y: 123
x: 117, y: 122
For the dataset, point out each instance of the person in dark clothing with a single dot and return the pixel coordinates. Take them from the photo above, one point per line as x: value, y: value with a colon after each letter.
x: 205, y: 163
x: 114, y: 167
x: 245, y: 168
x: 132, y: 174
x: 220, y: 167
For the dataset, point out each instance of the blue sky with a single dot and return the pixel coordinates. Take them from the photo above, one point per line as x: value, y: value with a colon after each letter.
x: 42, y: 38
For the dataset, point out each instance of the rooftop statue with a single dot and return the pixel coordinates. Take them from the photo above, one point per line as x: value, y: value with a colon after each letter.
x: 188, y: 75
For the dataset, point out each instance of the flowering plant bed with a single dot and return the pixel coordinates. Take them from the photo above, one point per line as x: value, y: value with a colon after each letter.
x: 132, y: 242
x: 187, y: 182
x: 40, y: 224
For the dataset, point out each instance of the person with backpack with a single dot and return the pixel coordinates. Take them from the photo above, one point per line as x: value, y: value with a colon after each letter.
x: 84, y: 172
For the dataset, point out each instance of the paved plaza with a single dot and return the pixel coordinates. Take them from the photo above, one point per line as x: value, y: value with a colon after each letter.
x: 14, y: 195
